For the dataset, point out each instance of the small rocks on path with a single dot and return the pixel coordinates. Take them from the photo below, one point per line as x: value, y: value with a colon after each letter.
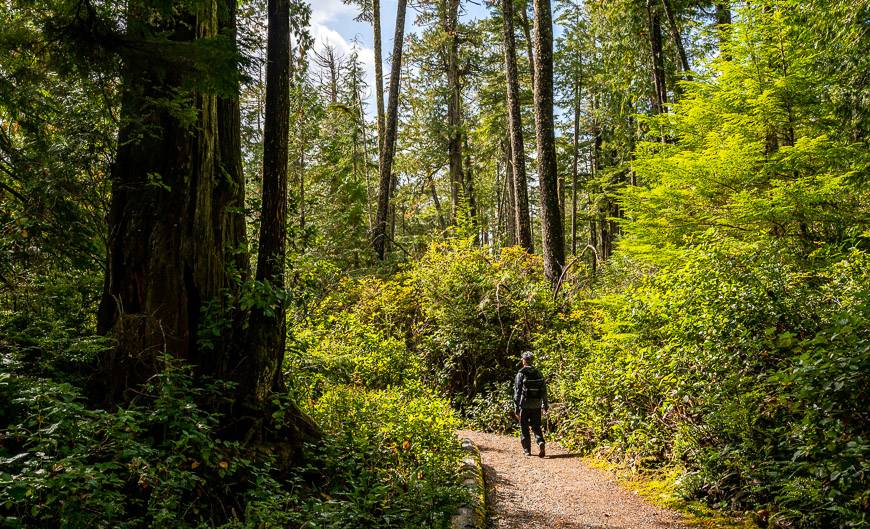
x: 558, y: 492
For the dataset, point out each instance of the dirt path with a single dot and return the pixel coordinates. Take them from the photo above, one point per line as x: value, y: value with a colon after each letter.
x: 558, y: 492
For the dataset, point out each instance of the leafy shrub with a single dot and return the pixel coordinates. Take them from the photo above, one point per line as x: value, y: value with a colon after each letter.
x: 342, y: 350
x: 158, y: 462
x: 391, y: 459
x: 479, y: 314
x: 492, y: 410
x: 742, y: 367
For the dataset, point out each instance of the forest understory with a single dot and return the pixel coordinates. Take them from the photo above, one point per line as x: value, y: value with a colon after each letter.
x: 246, y: 282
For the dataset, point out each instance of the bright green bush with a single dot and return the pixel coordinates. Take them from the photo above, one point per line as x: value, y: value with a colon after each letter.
x: 391, y: 459
x: 742, y: 367
x: 479, y: 312
x: 343, y: 350
x: 157, y: 463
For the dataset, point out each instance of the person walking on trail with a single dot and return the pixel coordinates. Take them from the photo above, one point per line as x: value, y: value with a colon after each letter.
x: 530, y: 397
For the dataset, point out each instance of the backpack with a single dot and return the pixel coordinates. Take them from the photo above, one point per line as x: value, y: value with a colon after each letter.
x: 533, y: 388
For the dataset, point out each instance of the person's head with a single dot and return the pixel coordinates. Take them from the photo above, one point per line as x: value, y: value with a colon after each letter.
x: 527, y: 358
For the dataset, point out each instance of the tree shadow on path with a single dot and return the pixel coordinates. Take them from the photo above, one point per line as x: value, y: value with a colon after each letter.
x: 527, y: 516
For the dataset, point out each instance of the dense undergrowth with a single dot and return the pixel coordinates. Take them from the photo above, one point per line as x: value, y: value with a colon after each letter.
x: 745, y: 369
x: 388, y: 455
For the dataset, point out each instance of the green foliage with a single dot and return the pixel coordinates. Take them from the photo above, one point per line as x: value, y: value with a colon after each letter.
x: 391, y: 458
x: 744, y: 369
x: 479, y: 313
x: 157, y: 462
x: 492, y: 409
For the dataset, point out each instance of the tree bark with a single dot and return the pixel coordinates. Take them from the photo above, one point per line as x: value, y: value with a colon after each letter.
x: 380, y: 232
x: 660, y: 97
x: 268, y: 328
x: 454, y: 127
x: 379, y: 74
x: 529, y: 43
x: 575, y: 166
x: 468, y: 189
x: 174, y: 225
x: 723, y: 27
x: 515, y: 129
x: 509, y: 202
x: 552, y: 234
x: 678, y: 40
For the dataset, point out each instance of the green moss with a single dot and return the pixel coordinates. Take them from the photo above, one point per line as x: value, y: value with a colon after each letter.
x: 659, y: 488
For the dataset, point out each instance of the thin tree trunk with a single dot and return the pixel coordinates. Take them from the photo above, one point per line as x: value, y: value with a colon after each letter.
x: 660, y: 98
x: 379, y: 74
x: 509, y: 200
x: 678, y: 40
x: 468, y: 188
x: 528, y: 34
x: 515, y: 129
x: 267, y: 331
x: 575, y: 166
x: 552, y: 234
x: 389, y: 149
x: 723, y: 26
x: 595, y: 169
x: 454, y: 132
x: 362, y: 125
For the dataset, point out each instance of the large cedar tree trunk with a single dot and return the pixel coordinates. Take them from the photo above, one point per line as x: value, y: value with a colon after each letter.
x: 379, y: 234
x: 553, y: 237
x: 175, y: 221
x: 517, y: 167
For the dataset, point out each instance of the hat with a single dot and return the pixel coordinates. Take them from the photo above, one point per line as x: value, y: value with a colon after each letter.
x: 527, y: 356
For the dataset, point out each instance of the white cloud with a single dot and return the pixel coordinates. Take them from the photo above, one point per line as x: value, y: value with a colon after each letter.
x: 323, y: 11
x: 326, y: 15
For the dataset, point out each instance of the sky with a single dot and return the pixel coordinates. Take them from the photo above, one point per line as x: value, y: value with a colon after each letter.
x: 332, y: 22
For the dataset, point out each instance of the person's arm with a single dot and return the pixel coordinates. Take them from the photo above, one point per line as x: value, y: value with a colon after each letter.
x: 518, y: 391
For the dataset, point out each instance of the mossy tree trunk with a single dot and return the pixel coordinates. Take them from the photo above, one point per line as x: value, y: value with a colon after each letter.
x: 175, y: 219
x: 553, y: 236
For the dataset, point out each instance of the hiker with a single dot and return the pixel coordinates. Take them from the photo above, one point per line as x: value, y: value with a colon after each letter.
x: 530, y: 397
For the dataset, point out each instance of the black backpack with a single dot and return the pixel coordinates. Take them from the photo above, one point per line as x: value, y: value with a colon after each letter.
x: 533, y: 386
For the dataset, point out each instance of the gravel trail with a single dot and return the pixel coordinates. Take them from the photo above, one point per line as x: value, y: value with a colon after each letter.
x: 558, y: 492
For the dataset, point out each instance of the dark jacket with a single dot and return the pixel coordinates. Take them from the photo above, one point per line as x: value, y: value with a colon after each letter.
x: 519, y: 402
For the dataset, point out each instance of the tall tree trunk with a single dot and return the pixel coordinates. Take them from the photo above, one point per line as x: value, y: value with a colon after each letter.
x: 529, y: 43
x: 595, y: 169
x: 678, y: 40
x: 267, y: 330
x: 723, y: 26
x: 575, y: 165
x: 379, y: 74
x: 454, y: 127
x: 522, y: 221
x: 468, y: 189
x: 510, y: 217
x: 660, y: 97
x: 552, y: 234
x: 173, y: 220
x: 379, y: 234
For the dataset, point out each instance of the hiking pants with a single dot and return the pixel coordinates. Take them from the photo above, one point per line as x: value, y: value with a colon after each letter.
x: 531, y: 418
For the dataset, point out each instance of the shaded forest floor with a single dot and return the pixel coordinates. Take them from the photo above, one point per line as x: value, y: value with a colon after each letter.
x: 558, y: 492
